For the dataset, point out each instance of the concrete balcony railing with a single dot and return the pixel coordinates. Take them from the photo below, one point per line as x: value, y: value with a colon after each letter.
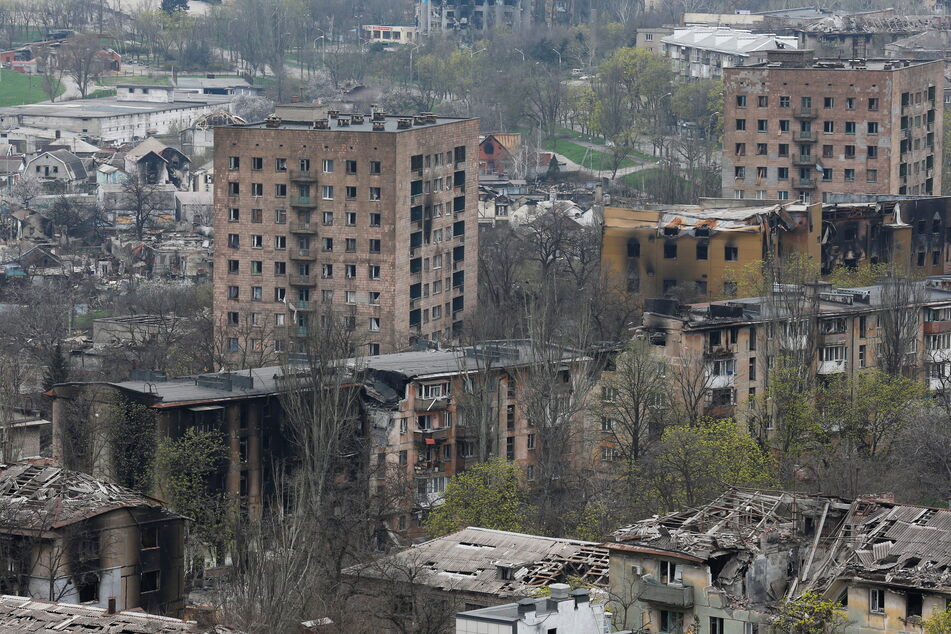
x: 303, y: 176
x: 303, y: 227
x: 939, y: 355
x: 804, y: 183
x: 676, y: 596
x: 805, y: 113
x: 836, y: 366
x: 805, y: 135
x: 303, y: 254
x: 302, y: 280
x: 719, y: 381
x: 303, y: 201
x: 804, y: 159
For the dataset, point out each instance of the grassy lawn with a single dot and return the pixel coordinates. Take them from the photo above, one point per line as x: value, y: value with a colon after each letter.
x: 17, y: 89
x: 113, y: 80
x: 644, y: 178
x: 582, y: 155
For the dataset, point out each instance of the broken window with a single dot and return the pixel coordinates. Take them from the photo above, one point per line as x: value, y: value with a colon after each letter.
x: 876, y: 601
x: 671, y: 621
x: 670, y: 573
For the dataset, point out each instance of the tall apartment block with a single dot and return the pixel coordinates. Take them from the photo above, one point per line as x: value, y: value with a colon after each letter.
x: 799, y: 128
x: 372, y: 217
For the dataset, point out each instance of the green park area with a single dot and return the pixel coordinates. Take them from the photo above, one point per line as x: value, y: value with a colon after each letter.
x: 17, y: 88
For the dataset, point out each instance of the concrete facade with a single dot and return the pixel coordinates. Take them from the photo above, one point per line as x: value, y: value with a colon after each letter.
x: 367, y: 218
x: 795, y: 128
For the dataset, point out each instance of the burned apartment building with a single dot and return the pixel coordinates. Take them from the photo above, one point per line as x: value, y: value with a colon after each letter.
x: 690, y: 249
x: 798, y: 128
x: 244, y: 407
x: 687, y: 251
x: 835, y: 331
x: 69, y: 537
x: 725, y: 568
x: 370, y: 217
x: 470, y: 569
x: 433, y: 414
x: 422, y: 417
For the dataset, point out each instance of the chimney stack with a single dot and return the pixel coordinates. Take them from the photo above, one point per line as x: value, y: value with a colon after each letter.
x: 526, y: 607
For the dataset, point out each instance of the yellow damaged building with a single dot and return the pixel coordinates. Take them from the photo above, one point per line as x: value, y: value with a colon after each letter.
x: 658, y: 250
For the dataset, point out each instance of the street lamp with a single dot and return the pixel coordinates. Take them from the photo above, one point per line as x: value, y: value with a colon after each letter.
x: 521, y: 52
x: 559, y: 56
x: 411, y: 67
x: 323, y: 48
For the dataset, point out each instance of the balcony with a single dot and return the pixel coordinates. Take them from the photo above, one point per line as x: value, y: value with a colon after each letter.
x: 673, y: 596
x: 302, y: 330
x: 303, y: 304
x: 938, y: 384
x: 805, y: 113
x: 804, y: 183
x: 939, y: 355
x: 906, y: 133
x: 806, y: 136
x: 720, y: 381
x: 303, y: 254
x: 303, y: 227
x: 437, y: 435
x: 427, y: 468
x: 804, y: 159
x: 432, y: 404
x: 836, y: 366
x: 429, y: 500
x: 302, y: 280
x: 303, y: 177
x: 303, y: 201
x: 719, y: 351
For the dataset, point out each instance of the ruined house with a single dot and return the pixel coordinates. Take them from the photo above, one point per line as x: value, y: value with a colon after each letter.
x: 156, y: 163
x: 475, y: 568
x: 723, y: 566
x: 66, y: 536
x: 726, y: 567
x: 22, y: 614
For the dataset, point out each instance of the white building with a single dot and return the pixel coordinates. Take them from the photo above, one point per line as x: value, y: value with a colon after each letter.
x: 136, y: 112
x: 702, y: 52
x: 564, y: 611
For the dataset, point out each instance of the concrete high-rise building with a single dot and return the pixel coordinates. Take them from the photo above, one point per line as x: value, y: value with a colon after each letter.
x: 370, y: 217
x: 798, y: 128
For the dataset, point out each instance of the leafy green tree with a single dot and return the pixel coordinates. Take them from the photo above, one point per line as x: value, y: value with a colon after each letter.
x: 490, y: 495
x: 810, y: 614
x: 187, y: 469
x: 700, y: 103
x: 632, y: 86
x: 693, y: 464
x: 938, y: 622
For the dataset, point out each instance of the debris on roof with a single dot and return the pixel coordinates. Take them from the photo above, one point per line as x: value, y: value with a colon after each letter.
x: 22, y: 614
x: 891, y: 543
x: 41, y: 497
x: 494, y: 562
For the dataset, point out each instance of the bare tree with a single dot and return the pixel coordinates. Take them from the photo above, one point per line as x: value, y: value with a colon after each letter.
x: 79, y: 58
x: 51, y: 72
x: 141, y: 199
x: 637, y: 391
x: 26, y: 189
x: 900, y: 324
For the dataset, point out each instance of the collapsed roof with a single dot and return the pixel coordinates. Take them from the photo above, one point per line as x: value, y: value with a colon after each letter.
x: 23, y: 614
x: 890, y: 543
x: 43, y: 498
x: 492, y: 562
